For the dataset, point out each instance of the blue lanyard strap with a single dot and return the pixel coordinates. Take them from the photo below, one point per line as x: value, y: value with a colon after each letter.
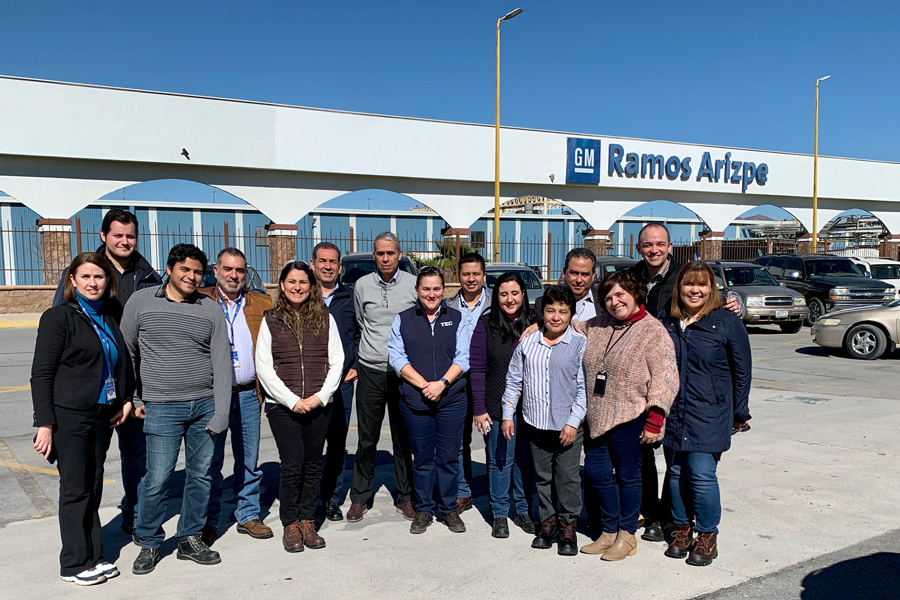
x: 106, y: 337
x: 228, y: 318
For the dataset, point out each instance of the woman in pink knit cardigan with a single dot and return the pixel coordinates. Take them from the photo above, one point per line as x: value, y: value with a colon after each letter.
x: 632, y: 380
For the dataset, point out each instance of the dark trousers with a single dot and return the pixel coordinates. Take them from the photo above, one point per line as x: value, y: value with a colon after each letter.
x: 557, y: 473
x: 300, y: 439
x: 81, y: 439
x: 375, y: 391
x: 654, y: 509
x: 612, y: 468
x: 333, y: 471
x: 435, y: 436
x: 133, y: 451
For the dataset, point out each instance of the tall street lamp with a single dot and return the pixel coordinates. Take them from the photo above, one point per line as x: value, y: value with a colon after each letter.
x: 815, y: 231
x: 509, y: 15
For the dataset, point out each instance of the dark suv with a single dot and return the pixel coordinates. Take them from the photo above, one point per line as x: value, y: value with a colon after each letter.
x: 827, y: 282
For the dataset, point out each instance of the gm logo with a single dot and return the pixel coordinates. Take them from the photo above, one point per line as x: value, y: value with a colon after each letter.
x: 583, y: 161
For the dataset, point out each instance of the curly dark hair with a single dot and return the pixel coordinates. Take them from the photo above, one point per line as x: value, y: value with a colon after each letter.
x: 626, y: 280
x: 558, y: 294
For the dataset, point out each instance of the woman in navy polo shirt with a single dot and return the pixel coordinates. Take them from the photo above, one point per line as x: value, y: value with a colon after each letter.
x: 430, y: 352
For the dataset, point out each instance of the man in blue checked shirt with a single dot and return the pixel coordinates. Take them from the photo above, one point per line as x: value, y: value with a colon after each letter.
x: 547, y: 370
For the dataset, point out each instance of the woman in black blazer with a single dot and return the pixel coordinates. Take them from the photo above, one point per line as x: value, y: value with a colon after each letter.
x: 81, y: 386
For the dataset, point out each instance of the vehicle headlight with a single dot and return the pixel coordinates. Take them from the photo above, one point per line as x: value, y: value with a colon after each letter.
x: 800, y: 301
x: 755, y: 301
x: 890, y: 290
x: 839, y: 293
x: 828, y: 322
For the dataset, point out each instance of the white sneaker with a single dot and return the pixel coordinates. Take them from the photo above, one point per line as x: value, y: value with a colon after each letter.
x: 107, y: 569
x: 89, y: 577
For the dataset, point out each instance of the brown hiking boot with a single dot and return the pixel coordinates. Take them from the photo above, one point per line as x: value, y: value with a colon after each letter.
x: 356, y: 512
x: 311, y: 538
x: 682, y: 539
x: 704, y: 551
x: 292, y: 540
x: 255, y: 528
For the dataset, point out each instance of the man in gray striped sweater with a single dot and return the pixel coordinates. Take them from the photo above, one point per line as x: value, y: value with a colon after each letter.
x: 178, y: 340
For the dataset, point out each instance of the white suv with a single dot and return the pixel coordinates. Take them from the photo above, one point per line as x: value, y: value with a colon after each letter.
x: 881, y: 268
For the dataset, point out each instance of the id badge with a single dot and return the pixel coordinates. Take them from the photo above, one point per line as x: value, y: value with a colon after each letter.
x: 235, y: 361
x: 600, y: 384
x: 110, y: 389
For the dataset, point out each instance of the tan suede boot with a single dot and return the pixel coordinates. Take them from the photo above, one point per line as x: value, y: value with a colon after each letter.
x: 600, y: 545
x: 626, y: 545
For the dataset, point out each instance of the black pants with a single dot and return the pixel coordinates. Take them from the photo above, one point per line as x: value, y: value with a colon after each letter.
x: 81, y: 439
x: 133, y: 449
x: 375, y: 391
x: 653, y: 509
x: 333, y: 471
x: 557, y: 472
x: 300, y: 439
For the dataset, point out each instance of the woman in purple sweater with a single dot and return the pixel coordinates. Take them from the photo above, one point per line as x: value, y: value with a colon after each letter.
x: 493, y: 341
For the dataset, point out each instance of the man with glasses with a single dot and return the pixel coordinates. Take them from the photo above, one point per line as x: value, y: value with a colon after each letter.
x: 378, y: 298
x: 471, y: 301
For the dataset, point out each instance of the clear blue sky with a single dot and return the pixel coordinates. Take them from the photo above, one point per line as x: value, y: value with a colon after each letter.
x: 731, y: 74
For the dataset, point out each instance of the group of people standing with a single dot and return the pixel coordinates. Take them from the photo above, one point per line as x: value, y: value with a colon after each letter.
x: 647, y: 356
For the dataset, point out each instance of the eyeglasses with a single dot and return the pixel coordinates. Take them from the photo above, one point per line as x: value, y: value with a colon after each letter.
x: 384, y: 296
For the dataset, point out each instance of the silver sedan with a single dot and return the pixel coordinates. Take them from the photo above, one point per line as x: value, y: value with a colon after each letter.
x: 865, y: 333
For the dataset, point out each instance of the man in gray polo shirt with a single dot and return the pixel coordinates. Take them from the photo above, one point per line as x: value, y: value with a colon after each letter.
x: 378, y: 299
x: 178, y: 340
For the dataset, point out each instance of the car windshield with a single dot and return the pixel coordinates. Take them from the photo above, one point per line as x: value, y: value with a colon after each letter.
x: 835, y: 267
x: 885, y: 271
x: 742, y: 276
x: 354, y: 268
x: 531, y: 280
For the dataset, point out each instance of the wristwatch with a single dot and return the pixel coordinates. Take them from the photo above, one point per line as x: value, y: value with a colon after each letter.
x: 445, y: 382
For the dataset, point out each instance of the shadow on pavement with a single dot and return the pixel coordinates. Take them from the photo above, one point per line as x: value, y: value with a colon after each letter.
x: 870, y: 577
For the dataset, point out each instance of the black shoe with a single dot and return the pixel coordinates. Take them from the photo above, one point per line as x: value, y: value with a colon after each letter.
x: 524, y: 523
x: 454, y: 522
x: 568, y: 541
x: 500, y: 528
x: 653, y: 533
x: 145, y: 561
x: 333, y: 511
x: 548, y: 534
x: 421, y: 522
x: 191, y: 547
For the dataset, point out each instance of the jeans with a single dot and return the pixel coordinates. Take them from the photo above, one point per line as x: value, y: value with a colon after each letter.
x: 81, y: 439
x: 166, y: 425
x: 435, y: 436
x: 612, y: 467
x: 465, y: 457
x: 334, y: 479
x: 243, y: 421
x: 300, y: 439
x: 697, y: 497
x: 504, y: 474
x: 133, y: 450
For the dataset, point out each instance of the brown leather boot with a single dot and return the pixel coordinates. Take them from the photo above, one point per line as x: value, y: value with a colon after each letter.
x: 292, y: 540
x: 311, y: 538
x: 600, y: 545
x: 705, y: 549
x: 625, y: 546
x: 682, y: 538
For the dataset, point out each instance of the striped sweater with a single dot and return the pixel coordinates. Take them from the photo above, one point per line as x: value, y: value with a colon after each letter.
x: 640, y: 368
x: 180, y: 350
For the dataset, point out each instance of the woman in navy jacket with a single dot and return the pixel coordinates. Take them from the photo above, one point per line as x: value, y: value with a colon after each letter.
x: 429, y: 350
x: 715, y: 368
x: 81, y: 386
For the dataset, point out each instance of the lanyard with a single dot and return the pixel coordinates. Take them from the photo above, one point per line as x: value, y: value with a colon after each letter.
x: 105, y: 338
x: 228, y: 318
x: 610, y: 344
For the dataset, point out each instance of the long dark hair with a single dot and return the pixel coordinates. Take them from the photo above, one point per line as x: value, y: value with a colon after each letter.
x: 498, y: 321
x: 311, y: 313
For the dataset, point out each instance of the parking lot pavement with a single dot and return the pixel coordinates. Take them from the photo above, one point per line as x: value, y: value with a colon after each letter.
x: 815, y: 475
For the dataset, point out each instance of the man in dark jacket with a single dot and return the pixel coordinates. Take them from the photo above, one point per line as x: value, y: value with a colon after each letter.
x: 326, y: 265
x: 118, y: 232
x: 658, y: 270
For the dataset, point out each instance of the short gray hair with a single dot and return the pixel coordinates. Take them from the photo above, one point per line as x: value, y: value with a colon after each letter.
x: 231, y: 251
x: 389, y: 236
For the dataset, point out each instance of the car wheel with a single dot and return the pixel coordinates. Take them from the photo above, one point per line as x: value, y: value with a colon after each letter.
x: 816, y: 310
x: 865, y: 342
x: 792, y: 327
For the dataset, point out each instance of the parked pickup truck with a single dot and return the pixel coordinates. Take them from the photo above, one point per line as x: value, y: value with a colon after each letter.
x: 827, y: 282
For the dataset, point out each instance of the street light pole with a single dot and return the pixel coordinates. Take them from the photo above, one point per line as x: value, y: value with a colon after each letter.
x: 815, y: 231
x: 509, y: 15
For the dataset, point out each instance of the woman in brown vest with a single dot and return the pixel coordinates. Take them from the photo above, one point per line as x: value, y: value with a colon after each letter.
x: 298, y: 363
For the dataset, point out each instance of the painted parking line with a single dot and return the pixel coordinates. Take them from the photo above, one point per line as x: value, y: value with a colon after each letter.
x: 17, y: 466
x: 19, y: 388
x: 383, y: 432
x: 18, y: 324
